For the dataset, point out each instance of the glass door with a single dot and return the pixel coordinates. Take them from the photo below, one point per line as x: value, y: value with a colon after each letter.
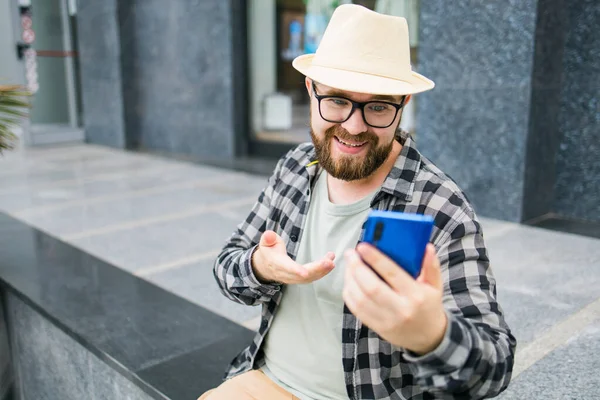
x: 55, y: 115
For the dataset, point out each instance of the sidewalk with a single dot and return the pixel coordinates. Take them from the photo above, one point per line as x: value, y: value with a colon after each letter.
x: 165, y: 221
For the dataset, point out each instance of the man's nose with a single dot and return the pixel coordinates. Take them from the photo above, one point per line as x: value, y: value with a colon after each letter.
x: 356, y: 123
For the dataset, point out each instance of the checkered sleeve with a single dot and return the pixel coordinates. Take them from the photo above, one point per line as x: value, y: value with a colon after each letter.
x: 233, y: 267
x: 475, y: 358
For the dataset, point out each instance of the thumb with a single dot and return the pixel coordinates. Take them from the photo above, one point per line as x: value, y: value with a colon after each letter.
x: 431, y: 272
x: 269, y: 239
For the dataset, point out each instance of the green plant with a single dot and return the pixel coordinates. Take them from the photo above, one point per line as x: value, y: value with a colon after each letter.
x: 13, y: 103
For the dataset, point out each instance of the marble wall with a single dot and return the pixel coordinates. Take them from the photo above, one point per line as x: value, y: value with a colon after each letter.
x: 515, y: 115
x: 6, y: 378
x: 170, y: 69
x: 474, y: 123
x: 51, y: 365
x: 577, y: 191
x: 177, y: 75
x: 544, y: 133
x: 101, y: 79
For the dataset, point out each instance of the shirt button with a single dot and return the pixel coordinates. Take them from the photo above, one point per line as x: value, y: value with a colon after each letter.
x: 294, y: 238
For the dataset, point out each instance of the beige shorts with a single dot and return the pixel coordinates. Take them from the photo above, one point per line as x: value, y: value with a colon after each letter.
x: 251, y: 385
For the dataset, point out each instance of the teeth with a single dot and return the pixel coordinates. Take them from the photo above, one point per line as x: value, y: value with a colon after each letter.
x: 349, y: 144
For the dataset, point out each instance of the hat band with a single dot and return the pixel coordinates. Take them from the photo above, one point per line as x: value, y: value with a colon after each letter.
x: 349, y: 67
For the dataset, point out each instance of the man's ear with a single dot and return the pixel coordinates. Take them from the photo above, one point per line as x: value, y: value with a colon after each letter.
x: 407, y: 99
x: 308, y: 83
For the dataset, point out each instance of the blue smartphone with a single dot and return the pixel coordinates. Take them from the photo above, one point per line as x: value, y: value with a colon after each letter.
x: 401, y: 236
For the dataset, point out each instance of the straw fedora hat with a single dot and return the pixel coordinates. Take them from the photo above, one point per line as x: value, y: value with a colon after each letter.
x: 366, y: 52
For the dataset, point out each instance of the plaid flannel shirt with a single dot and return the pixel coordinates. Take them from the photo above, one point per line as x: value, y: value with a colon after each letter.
x: 475, y: 357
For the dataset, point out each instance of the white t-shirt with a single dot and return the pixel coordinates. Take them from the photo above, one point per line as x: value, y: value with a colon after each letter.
x: 303, y: 349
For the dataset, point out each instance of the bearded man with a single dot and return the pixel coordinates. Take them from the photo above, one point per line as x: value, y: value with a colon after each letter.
x: 339, y: 319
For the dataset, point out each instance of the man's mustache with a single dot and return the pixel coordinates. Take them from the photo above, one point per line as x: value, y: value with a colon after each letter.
x: 343, y: 134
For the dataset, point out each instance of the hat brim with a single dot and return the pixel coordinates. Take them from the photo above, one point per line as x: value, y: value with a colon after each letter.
x: 361, y: 82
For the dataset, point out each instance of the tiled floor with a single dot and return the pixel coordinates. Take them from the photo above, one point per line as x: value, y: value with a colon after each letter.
x: 165, y: 221
x: 161, y: 219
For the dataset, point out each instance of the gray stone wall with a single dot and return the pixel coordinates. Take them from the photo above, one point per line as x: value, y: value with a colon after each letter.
x: 474, y: 123
x: 100, y: 63
x: 159, y: 75
x: 515, y: 115
x: 177, y: 75
x: 51, y: 365
x: 544, y: 132
x: 578, y: 160
x: 5, y: 358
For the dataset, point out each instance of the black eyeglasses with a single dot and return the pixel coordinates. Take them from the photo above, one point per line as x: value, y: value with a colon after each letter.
x: 378, y: 114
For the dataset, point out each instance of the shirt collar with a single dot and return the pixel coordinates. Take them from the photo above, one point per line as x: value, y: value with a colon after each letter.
x: 400, y: 182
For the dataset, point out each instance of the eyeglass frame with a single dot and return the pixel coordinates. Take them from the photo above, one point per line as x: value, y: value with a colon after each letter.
x: 357, y: 104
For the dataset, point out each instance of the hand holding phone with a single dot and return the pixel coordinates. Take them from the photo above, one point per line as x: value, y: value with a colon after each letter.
x: 400, y: 236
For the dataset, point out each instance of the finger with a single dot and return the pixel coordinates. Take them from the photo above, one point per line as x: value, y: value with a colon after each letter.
x: 318, y: 269
x: 389, y: 271
x: 324, y: 263
x: 362, y: 307
x: 431, y: 272
x: 288, y: 270
x: 268, y: 239
x: 370, y: 284
x: 330, y: 255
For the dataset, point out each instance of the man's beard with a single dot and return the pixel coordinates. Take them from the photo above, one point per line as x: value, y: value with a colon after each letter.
x: 349, y: 167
